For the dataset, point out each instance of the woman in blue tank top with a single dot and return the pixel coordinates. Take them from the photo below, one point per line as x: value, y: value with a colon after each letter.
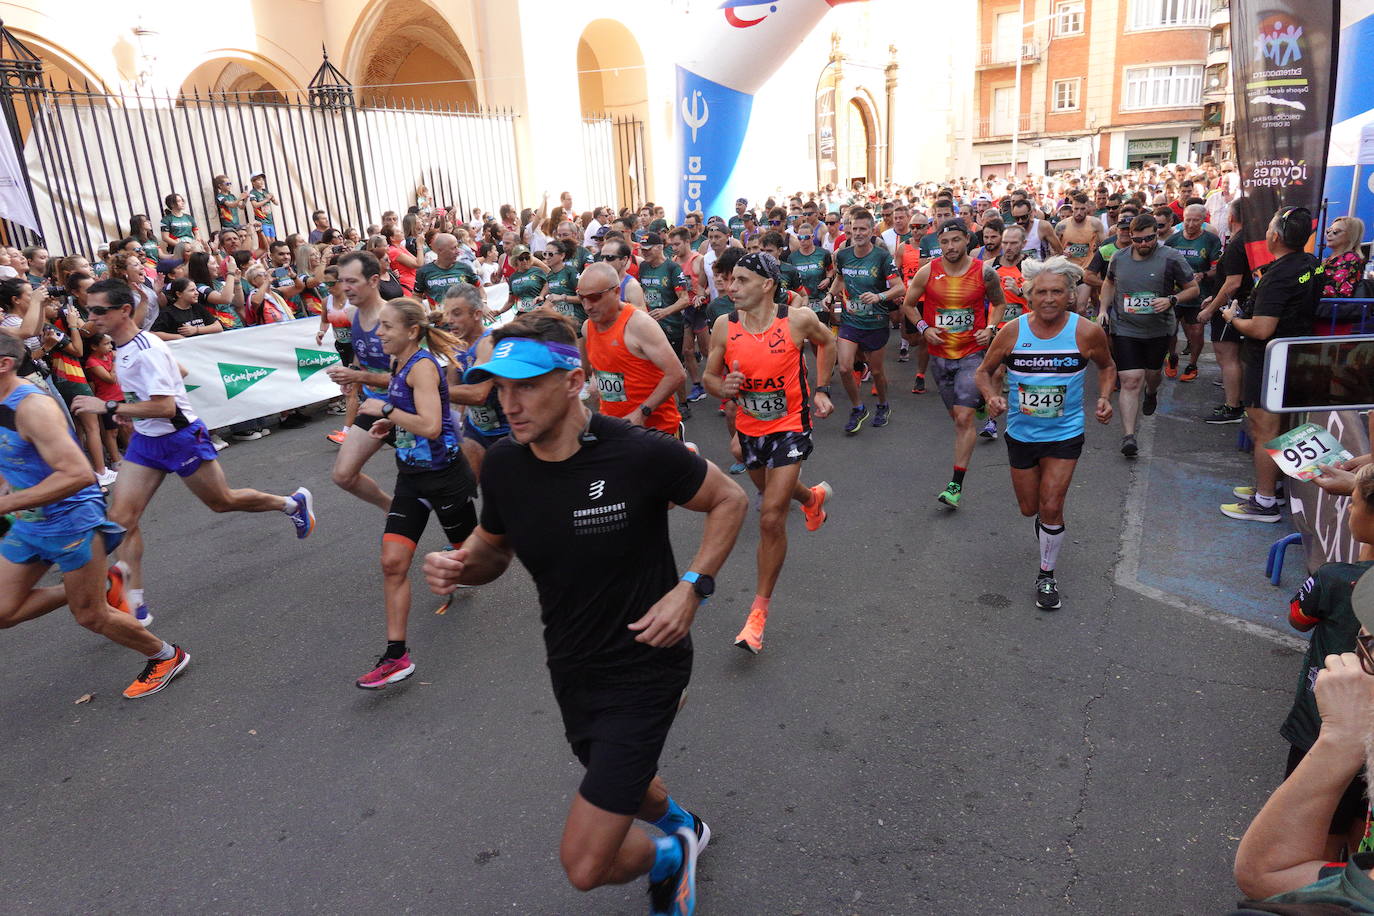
x: 1046, y: 354
x: 432, y: 475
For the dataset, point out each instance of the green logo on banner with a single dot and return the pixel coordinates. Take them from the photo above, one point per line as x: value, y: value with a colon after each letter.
x: 308, y: 362
x: 238, y: 379
x: 190, y: 388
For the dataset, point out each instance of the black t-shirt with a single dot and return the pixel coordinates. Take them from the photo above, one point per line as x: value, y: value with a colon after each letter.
x: 170, y: 318
x: 593, y: 532
x: 1287, y: 290
x: 1235, y: 263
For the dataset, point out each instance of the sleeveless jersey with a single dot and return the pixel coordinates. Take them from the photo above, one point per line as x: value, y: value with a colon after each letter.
x: 689, y: 273
x: 623, y: 380
x: 367, y: 350
x: 486, y: 418
x: 414, y: 453
x: 774, y: 397
x: 1038, y: 250
x: 23, y: 467
x: 1010, y: 275
x: 910, y: 261
x: 957, y: 306
x: 338, y: 320
x: 1045, y: 384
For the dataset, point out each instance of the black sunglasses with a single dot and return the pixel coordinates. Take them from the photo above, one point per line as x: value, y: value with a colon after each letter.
x: 1144, y: 239
x: 102, y: 309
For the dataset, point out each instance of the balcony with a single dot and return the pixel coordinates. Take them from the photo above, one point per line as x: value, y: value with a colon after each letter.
x: 1221, y: 13
x: 1219, y: 56
x: 1000, y: 128
x: 997, y: 55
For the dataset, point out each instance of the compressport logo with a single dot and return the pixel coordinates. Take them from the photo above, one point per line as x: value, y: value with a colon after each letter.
x: 596, y: 490
x: 503, y: 349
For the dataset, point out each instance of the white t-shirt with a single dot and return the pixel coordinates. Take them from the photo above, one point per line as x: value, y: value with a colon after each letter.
x: 146, y: 369
x: 708, y: 260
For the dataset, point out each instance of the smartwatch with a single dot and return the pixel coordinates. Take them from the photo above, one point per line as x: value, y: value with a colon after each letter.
x: 645, y: 410
x: 111, y: 407
x: 1173, y: 300
x: 387, y: 408
x: 702, y: 584
x: 823, y: 389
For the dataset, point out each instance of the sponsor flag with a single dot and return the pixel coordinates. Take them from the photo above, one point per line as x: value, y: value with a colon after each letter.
x: 1284, y: 52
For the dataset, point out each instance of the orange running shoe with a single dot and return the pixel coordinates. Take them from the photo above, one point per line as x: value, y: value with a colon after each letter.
x: 337, y: 437
x: 815, y: 510
x: 115, y: 594
x: 1189, y: 373
x: 1171, y: 365
x: 751, y: 637
x: 156, y: 674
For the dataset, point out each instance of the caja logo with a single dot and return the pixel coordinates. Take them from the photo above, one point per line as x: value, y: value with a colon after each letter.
x: 751, y: 6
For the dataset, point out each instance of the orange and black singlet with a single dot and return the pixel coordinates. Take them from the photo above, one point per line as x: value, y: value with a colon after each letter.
x: 774, y: 396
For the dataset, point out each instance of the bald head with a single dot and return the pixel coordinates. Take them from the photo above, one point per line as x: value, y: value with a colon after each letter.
x: 598, y: 275
x: 445, y: 249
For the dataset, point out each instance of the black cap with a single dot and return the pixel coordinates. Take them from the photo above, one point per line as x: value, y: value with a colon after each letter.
x: 763, y: 264
x: 653, y: 238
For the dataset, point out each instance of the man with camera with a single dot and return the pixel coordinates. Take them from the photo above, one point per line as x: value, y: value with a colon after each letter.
x: 1282, y: 304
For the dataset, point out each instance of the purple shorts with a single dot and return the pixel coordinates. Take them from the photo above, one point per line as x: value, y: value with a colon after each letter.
x: 181, y: 453
x: 869, y: 340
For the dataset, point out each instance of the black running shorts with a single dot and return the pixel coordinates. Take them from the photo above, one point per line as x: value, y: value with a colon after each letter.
x: 617, y: 722
x: 1025, y: 455
x: 1139, y: 352
x: 447, y: 493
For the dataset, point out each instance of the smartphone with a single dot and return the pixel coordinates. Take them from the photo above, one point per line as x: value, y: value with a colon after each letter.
x: 1318, y: 373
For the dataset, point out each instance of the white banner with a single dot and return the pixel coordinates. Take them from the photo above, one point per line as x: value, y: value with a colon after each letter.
x: 14, y: 199
x: 255, y: 372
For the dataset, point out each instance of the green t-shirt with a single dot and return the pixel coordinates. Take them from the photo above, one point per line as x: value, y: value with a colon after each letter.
x: 662, y: 285
x: 811, y: 270
x: 563, y: 282
x: 1348, y: 886
x: 580, y: 259
x: 433, y: 281
x: 262, y: 211
x: 524, y: 286
x: 791, y: 281
x: 150, y: 249
x: 179, y: 226
x: 721, y: 305
x: 1200, y: 253
x: 228, y: 214
x: 868, y: 274
x: 930, y: 246
x: 736, y: 225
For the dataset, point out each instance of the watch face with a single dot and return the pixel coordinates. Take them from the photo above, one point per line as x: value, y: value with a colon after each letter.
x: 705, y: 586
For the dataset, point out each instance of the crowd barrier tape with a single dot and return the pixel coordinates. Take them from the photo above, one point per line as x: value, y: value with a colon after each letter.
x: 255, y: 372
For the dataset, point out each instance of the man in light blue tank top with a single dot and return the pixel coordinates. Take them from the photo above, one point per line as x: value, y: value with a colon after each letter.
x: 57, y: 516
x: 1046, y: 354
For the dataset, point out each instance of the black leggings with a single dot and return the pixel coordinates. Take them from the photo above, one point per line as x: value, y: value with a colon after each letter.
x: 447, y: 493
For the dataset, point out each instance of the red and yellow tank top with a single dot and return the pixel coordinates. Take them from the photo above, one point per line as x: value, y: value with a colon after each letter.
x: 774, y: 397
x: 1010, y: 275
x: 910, y: 261
x: 67, y: 368
x: 623, y: 380
x: 957, y: 306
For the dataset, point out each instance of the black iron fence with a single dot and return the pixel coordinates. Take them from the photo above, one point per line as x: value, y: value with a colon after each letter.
x: 614, y: 154
x: 92, y: 160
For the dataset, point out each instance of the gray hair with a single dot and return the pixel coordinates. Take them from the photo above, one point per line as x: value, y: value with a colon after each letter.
x: 12, y: 347
x: 467, y: 293
x: 1195, y: 210
x: 1059, y: 266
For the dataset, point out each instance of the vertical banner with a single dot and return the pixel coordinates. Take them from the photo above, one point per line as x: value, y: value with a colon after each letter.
x: 14, y: 190
x: 827, y: 165
x: 1284, y: 52
x: 736, y: 47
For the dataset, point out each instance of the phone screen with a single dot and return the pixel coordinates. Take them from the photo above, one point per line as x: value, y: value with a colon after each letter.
x: 1320, y: 373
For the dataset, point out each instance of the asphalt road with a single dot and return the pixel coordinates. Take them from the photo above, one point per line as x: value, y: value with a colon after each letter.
x: 915, y: 738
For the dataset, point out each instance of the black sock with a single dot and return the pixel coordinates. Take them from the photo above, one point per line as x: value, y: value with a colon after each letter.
x: 395, y: 648
x: 959, y: 475
x: 1045, y: 574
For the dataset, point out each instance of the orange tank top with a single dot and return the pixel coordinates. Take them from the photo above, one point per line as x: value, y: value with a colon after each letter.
x: 1016, y: 303
x: 957, y: 306
x: 623, y: 380
x: 910, y: 262
x: 774, y: 397
x: 689, y: 270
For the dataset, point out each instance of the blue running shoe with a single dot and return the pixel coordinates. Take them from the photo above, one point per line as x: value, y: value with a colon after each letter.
x: 989, y: 431
x: 880, y: 416
x: 738, y: 468
x: 676, y: 895
x: 698, y: 393
x: 304, y: 516
x: 856, y: 420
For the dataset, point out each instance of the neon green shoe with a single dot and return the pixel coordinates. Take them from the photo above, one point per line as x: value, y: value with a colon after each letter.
x: 951, y: 494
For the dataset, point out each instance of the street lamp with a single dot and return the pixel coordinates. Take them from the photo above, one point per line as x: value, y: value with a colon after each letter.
x: 1020, y: 54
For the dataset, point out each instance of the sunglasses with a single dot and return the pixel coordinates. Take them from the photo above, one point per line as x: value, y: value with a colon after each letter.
x: 1144, y: 239
x: 591, y: 297
x: 832, y: 222
x: 102, y: 309
x: 775, y: 222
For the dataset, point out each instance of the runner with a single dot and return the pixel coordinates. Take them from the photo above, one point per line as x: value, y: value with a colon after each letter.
x: 432, y: 280
x: 1081, y: 235
x: 909, y: 259
x: 582, y: 500
x: 790, y: 290
x: 757, y: 360
x: 666, y: 297
x: 872, y: 289
x: 1041, y: 240
x: 483, y: 422
x: 167, y: 437
x: 431, y: 475
x: 694, y: 271
x: 560, y: 283
x: 815, y: 271
x: 961, y: 307
x: 360, y: 275
x: 1046, y: 353
x: 1141, y: 289
x: 59, y: 518
x: 1202, y: 250
x: 635, y: 367
x: 616, y: 252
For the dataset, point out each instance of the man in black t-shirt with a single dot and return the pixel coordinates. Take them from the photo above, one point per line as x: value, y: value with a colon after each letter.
x: 1237, y: 280
x: 582, y: 500
x: 1282, y: 304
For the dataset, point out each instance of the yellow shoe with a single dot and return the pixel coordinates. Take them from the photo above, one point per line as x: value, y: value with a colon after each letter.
x: 751, y: 637
x: 156, y: 674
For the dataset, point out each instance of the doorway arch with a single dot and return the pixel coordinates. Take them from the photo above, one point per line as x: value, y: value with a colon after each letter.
x: 407, y: 52
x: 612, y: 86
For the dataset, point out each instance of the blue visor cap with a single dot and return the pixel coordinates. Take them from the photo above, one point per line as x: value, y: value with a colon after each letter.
x: 522, y: 357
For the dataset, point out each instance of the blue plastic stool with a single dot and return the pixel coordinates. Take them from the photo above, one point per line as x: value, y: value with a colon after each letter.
x: 1243, y: 443
x: 1273, y: 567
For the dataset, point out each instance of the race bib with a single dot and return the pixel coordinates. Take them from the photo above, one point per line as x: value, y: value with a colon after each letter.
x: 610, y: 385
x: 1076, y: 250
x: 404, y: 439
x: 1045, y: 401
x: 525, y: 305
x: 954, y: 319
x: 343, y: 335
x: 482, y: 417
x: 1138, y: 303
x: 764, y: 405
x: 1301, y: 453
x: 1012, y: 313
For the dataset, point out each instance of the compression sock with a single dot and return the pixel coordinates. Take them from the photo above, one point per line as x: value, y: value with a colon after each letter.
x: 1266, y: 502
x: 958, y: 475
x: 667, y: 858
x: 1051, y: 539
x: 395, y: 648
x: 676, y: 817
x: 166, y: 652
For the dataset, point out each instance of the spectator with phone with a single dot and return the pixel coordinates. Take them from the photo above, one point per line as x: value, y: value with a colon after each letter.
x: 1283, y: 303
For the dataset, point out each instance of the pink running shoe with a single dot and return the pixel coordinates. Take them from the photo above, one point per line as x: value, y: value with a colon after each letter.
x: 388, y: 671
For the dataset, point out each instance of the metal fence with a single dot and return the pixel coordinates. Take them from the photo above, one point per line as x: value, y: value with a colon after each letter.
x: 92, y: 160
x: 614, y: 159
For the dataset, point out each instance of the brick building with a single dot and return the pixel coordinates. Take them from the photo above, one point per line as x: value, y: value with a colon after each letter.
x: 1111, y: 83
